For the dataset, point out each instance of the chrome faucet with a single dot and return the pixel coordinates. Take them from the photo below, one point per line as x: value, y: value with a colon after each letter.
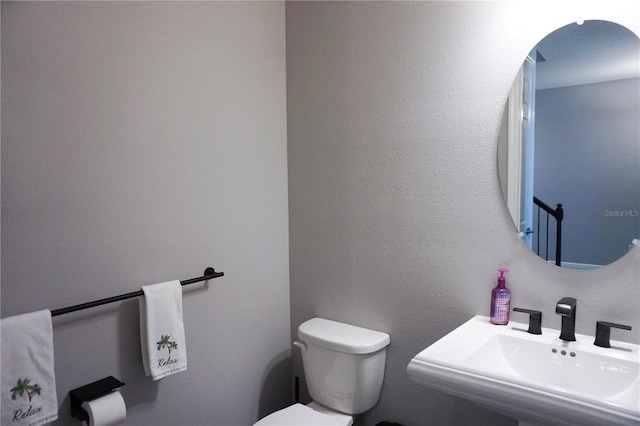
x: 566, y: 307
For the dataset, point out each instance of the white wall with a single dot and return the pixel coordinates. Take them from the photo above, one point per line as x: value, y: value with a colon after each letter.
x: 142, y: 142
x: 397, y: 221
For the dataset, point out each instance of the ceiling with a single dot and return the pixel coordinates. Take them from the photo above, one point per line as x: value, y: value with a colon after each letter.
x: 593, y: 52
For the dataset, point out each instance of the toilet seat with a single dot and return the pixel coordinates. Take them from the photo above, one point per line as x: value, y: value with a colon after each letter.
x: 306, y: 415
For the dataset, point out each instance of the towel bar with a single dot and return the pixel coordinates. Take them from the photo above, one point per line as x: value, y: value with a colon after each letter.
x: 209, y: 273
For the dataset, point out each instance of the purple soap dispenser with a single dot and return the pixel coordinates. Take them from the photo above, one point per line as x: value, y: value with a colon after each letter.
x: 500, y: 301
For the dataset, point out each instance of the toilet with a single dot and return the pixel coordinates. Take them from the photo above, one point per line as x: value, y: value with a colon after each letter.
x: 344, y: 368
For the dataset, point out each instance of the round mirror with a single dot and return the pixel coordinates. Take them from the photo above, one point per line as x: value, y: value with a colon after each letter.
x: 569, y: 145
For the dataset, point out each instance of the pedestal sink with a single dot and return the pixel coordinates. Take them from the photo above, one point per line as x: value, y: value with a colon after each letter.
x: 535, y: 378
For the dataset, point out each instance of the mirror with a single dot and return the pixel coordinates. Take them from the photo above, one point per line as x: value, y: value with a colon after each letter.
x: 569, y: 145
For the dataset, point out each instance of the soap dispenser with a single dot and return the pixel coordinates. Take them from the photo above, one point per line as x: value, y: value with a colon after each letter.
x: 500, y: 301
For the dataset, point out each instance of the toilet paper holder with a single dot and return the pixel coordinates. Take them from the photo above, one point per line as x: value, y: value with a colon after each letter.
x: 90, y: 392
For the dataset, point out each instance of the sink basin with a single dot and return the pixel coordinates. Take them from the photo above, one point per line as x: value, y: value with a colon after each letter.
x: 534, y: 378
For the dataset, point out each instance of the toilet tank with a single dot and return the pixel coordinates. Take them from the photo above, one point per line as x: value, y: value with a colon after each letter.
x: 343, y: 364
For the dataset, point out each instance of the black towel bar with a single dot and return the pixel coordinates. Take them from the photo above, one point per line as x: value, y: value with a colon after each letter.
x: 209, y: 273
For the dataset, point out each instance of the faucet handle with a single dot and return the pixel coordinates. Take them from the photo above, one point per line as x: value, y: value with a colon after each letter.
x: 535, y: 320
x: 603, y: 332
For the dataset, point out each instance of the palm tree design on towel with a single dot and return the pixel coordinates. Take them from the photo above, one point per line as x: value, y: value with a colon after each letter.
x: 165, y: 342
x: 23, y: 386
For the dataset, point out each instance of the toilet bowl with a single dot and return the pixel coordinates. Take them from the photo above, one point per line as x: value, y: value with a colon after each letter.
x: 344, y: 368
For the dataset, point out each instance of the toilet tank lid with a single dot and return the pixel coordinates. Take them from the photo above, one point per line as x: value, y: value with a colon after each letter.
x: 342, y: 337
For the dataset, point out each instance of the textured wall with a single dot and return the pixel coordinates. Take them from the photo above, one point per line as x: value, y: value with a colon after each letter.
x: 397, y: 221
x: 142, y: 142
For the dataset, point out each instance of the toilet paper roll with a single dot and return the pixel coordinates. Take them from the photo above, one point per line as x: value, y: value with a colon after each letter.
x: 108, y: 410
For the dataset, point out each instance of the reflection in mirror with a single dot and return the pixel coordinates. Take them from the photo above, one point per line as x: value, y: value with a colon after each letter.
x: 569, y: 145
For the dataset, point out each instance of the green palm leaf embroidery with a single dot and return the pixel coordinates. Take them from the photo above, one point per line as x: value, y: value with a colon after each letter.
x: 165, y: 342
x: 35, y: 390
x: 23, y: 386
x: 19, y: 389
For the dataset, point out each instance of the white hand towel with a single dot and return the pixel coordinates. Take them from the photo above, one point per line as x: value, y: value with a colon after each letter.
x: 28, y: 377
x: 164, y: 350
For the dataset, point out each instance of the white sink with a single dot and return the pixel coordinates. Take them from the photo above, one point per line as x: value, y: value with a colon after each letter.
x: 537, y: 378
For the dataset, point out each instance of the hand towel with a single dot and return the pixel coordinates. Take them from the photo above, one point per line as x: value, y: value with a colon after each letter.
x: 28, y: 377
x: 164, y: 350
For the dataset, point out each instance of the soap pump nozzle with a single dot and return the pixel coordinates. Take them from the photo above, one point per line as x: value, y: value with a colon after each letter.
x: 501, y: 279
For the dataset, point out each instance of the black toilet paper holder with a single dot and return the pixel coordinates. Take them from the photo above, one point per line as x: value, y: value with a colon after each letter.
x: 90, y: 392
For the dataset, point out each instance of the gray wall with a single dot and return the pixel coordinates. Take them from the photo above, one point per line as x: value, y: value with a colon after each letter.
x: 142, y: 142
x: 397, y: 221
x: 587, y: 158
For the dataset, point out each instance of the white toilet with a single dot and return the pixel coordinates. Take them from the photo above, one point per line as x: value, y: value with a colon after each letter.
x: 344, y: 368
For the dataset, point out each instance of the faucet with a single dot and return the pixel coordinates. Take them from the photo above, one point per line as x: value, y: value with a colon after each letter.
x: 566, y: 307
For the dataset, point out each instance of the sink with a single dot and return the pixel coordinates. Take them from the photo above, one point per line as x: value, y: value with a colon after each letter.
x: 534, y: 378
